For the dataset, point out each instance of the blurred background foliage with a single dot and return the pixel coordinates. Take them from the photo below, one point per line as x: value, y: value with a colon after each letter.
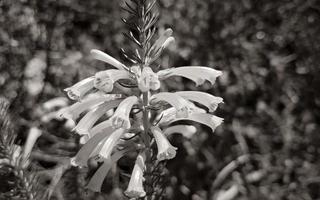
x: 268, y: 147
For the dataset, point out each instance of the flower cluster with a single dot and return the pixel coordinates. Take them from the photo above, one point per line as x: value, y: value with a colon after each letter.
x: 110, y: 117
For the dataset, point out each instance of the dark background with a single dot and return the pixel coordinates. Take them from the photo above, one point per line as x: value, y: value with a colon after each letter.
x: 269, y: 51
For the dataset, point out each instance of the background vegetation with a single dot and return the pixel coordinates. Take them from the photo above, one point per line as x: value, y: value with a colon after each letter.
x: 268, y: 147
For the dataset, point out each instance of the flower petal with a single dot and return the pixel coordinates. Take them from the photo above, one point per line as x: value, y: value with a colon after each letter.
x: 99, y: 55
x: 198, y: 74
x: 104, y: 80
x: 186, y: 130
x: 208, y: 100
x: 209, y: 120
x: 148, y: 80
x: 165, y: 150
x: 81, y: 88
x: 87, y: 122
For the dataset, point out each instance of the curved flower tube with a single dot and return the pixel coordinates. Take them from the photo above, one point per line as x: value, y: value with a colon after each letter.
x: 100, y: 127
x: 165, y: 150
x: 109, y: 144
x: 135, y: 188
x: 120, y: 118
x: 181, y: 105
x: 99, y: 55
x: 84, y: 153
x: 97, y: 179
x: 104, y: 80
x: 72, y: 112
x: 148, y: 80
x: 197, y: 74
x: 186, y: 130
x: 208, y: 100
x: 78, y: 91
x: 87, y: 122
x: 209, y: 120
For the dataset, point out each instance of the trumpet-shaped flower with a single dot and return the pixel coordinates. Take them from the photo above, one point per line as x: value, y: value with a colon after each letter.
x: 197, y: 74
x: 135, y: 188
x: 80, y: 89
x: 181, y: 105
x: 110, y: 143
x: 104, y: 80
x: 208, y: 100
x: 186, y: 130
x: 85, y: 151
x: 87, y: 122
x: 99, y: 55
x: 120, y: 118
x: 72, y: 112
x: 165, y: 150
x: 148, y: 80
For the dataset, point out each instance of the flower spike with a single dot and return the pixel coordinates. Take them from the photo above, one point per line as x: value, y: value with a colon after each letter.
x: 99, y: 55
x: 135, y: 188
x: 197, y: 74
x: 78, y: 91
x: 104, y: 80
x: 165, y: 150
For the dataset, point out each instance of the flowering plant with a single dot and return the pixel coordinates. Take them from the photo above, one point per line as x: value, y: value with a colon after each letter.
x: 138, y: 119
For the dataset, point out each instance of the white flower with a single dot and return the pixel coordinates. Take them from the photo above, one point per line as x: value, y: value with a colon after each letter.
x: 120, y: 118
x: 109, y: 144
x: 104, y: 80
x: 87, y: 122
x: 208, y: 100
x: 158, y: 46
x: 85, y: 151
x: 80, y: 89
x: 99, y: 55
x: 186, y: 130
x: 181, y: 105
x: 73, y: 112
x: 198, y: 74
x: 165, y: 150
x: 135, y: 188
x: 148, y: 80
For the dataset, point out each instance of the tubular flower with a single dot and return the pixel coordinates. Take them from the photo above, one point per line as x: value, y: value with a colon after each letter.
x: 182, y: 106
x: 87, y: 122
x: 104, y: 80
x: 99, y: 55
x: 208, y: 100
x: 197, y: 74
x: 74, y: 111
x: 165, y: 150
x: 135, y: 188
x: 78, y: 91
x: 120, y: 119
x: 164, y: 39
x: 148, y: 80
